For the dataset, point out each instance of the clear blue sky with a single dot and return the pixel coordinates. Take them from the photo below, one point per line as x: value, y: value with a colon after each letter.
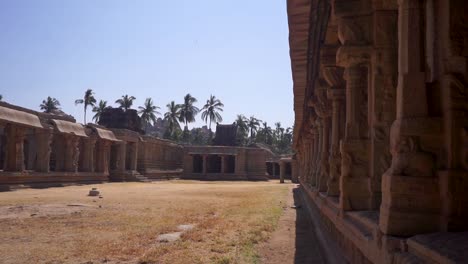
x: 235, y: 49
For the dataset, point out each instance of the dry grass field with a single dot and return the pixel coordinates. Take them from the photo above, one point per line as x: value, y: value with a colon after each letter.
x: 64, y: 225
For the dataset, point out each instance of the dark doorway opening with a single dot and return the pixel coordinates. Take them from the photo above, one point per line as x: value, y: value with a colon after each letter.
x: 269, y: 168
x: 213, y: 164
x: 288, y: 170
x: 230, y: 164
x: 197, y: 164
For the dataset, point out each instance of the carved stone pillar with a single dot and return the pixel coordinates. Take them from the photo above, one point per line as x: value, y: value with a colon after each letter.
x: 318, y: 153
x: 31, y: 149
x: 324, y: 166
x: 315, y: 154
x: 44, y: 140
x: 337, y: 97
x: 321, y: 106
x: 14, y: 159
x: 72, y: 153
x: 104, y: 154
x: 410, y: 192
x: 282, y: 165
x: 122, y: 156
x: 382, y: 94
x: 88, y: 155
x: 205, y: 163
x: 294, y: 170
x: 223, y: 164
x: 354, y: 56
x: 134, y: 156
x: 453, y: 179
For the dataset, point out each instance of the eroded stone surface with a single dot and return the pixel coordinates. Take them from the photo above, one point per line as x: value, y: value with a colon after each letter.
x: 389, y: 138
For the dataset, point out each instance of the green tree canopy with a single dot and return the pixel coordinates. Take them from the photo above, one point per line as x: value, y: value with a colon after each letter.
x: 49, y: 104
x: 172, y: 117
x: 98, y: 110
x: 148, y: 112
x: 188, y: 110
x: 125, y: 102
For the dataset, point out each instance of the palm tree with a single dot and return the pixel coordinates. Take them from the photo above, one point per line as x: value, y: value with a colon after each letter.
x: 172, y: 117
x: 242, y: 129
x: 98, y: 110
x: 241, y: 122
x: 187, y: 110
x: 88, y: 100
x: 211, y: 109
x: 278, y: 131
x: 267, y: 133
x: 125, y: 102
x: 148, y: 112
x: 253, y: 124
x: 49, y: 104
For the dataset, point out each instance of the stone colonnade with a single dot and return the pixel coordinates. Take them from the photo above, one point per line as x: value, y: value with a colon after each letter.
x: 224, y: 162
x: 45, y: 148
x: 213, y: 163
x: 381, y: 108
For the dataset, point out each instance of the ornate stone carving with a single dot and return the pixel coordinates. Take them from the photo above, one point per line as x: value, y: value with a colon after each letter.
x: 409, y: 159
x: 334, y: 76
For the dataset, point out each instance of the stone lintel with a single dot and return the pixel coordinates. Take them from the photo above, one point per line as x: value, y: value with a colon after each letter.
x: 353, y: 55
x: 350, y: 8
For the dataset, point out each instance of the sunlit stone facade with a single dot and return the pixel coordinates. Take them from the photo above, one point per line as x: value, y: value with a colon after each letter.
x: 381, y: 105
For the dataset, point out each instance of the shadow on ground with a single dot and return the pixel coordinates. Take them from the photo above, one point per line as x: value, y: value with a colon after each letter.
x: 308, y: 249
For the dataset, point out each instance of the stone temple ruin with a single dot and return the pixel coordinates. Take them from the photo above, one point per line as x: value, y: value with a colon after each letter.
x: 381, y: 127
x: 49, y: 149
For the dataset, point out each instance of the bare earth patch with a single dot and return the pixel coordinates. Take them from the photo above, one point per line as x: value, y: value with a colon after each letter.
x: 218, y: 222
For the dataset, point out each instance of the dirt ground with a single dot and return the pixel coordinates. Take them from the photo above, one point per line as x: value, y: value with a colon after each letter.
x: 294, y: 240
x: 159, y: 222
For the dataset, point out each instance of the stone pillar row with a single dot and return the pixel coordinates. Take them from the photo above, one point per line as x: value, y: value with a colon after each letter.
x: 373, y: 140
x: 66, y: 147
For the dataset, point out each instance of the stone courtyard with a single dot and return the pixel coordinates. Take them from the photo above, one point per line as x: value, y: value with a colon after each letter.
x: 227, y: 220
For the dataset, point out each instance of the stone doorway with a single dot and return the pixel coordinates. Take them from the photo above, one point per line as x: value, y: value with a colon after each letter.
x: 230, y: 164
x: 197, y: 164
x: 213, y: 164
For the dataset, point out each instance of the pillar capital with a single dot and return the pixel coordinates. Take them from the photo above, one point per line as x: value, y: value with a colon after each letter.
x: 348, y: 56
x: 333, y: 75
x: 336, y: 94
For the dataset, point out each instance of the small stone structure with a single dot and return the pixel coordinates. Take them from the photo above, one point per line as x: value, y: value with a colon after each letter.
x: 224, y: 163
x: 381, y: 124
x: 225, y: 160
x: 279, y: 167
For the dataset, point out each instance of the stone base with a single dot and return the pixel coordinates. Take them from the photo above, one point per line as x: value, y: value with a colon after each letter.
x: 51, y: 179
x: 162, y: 174
x: 356, y: 196
x: 119, y: 176
x: 410, y: 205
x: 358, y: 235
x: 224, y: 177
x: 453, y: 186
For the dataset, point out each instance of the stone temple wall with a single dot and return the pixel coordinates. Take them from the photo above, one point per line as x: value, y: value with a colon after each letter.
x: 381, y: 109
x: 49, y: 149
x: 224, y: 163
x: 159, y: 158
